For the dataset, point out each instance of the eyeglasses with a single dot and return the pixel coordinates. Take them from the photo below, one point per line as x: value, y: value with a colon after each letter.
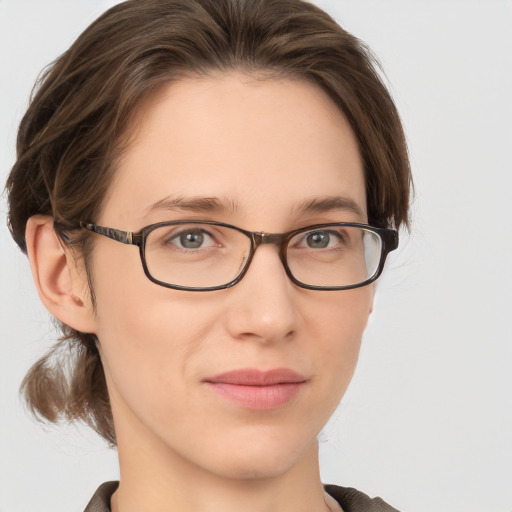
x: 198, y: 255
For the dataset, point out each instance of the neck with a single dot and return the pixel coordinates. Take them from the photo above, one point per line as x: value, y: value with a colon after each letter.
x: 155, y: 478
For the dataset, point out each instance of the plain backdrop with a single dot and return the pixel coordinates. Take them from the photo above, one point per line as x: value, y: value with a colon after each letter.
x: 427, y: 421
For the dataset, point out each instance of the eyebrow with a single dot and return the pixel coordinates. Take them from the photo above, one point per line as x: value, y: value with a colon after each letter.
x: 327, y: 204
x: 194, y: 204
x: 215, y: 205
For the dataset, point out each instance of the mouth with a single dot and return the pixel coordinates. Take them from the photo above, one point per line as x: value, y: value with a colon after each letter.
x: 258, y: 390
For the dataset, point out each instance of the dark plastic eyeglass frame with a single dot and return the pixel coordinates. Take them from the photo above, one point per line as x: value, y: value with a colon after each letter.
x: 389, y: 238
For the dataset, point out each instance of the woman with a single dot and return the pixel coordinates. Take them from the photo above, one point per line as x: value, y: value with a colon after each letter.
x: 251, y: 152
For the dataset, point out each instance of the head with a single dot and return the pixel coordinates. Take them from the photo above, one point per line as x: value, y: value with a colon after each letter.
x: 265, y: 105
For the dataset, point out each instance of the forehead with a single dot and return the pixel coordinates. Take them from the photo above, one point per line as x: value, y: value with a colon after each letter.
x: 250, y: 144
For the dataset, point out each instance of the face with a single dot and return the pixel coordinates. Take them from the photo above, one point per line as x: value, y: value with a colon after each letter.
x: 178, y: 362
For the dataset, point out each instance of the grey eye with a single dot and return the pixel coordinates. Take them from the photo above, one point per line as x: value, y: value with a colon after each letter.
x: 318, y: 239
x: 191, y: 239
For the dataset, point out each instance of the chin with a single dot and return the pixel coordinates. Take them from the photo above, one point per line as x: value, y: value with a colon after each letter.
x: 261, y: 458
x: 253, y: 470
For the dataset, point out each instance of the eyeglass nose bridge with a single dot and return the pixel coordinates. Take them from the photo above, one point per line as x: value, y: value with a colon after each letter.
x: 278, y: 239
x: 260, y: 238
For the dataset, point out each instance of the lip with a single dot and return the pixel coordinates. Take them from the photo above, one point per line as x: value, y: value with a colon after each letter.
x: 258, y: 390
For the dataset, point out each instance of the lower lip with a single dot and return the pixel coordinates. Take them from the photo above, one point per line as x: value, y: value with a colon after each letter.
x: 258, y: 397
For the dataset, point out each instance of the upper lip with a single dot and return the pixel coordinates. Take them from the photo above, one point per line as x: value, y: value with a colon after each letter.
x: 255, y: 377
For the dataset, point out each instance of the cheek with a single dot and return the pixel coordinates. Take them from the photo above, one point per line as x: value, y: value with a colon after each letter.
x: 150, y: 349
x: 340, y: 317
x: 150, y: 335
x: 147, y: 333
x: 340, y: 320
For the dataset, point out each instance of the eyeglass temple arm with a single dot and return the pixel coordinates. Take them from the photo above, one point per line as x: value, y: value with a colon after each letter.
x: 391, y: 239
x: 125, y: 237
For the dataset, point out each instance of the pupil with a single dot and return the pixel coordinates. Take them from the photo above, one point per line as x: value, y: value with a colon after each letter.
x: 192, y: 240
x: 318, y: 240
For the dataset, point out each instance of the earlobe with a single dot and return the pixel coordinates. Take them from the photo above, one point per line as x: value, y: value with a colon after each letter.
x: 60, y: 285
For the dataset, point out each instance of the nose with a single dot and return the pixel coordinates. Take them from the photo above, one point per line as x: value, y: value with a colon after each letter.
x: 263, y: 304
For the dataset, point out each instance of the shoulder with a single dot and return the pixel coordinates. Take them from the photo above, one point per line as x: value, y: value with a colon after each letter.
x: 100, y: 502
x: 352, y: 500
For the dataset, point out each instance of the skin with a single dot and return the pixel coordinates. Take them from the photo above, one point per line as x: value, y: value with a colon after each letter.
x: 267, y: 146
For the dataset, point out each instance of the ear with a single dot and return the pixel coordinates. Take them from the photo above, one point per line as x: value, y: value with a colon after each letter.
x: 61, y: 284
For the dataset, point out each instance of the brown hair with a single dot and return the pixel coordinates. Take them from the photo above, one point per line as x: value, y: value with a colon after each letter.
x: 68, y: 139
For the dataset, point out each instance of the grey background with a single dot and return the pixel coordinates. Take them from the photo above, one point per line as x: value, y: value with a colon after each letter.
x: 427, y: 421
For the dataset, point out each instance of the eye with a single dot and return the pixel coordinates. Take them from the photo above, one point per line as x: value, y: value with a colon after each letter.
x: 320, y: 239
x: 192, y: 239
